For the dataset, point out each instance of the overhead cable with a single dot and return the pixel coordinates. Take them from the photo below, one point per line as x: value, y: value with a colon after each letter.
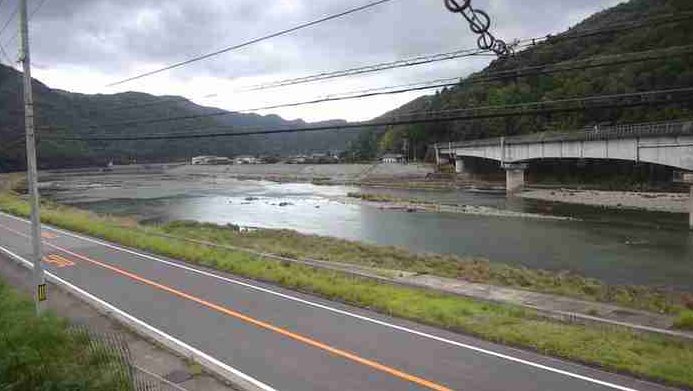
x: 250, y: 42
x: 595, y: 62
x: 9, y: 20
x: 520, y: 44
x: 635, y: 99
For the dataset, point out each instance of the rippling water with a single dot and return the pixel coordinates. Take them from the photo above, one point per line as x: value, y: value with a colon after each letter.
x: 616, y: 246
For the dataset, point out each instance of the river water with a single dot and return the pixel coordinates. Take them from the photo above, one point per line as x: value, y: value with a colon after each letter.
x: 629, y: 247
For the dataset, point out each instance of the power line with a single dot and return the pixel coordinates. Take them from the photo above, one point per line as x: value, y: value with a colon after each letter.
x: 419, y: 60
x: 252, y: 41
x: 594, y: 62
x: 7, y: 57
x: 493, y: 76
x: 587, y: 63
x: 527, y: 42
x: 31, y: 15
x: 9, y: 20
x: 601, y: 61
x: 35, y: 10
x: 457, y: 54
x: 645, y: 98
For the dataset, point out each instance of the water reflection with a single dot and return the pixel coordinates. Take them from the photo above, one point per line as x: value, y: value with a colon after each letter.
x: 617, y: 246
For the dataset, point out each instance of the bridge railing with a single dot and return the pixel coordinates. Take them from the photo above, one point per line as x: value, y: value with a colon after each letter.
x: 651, y: 129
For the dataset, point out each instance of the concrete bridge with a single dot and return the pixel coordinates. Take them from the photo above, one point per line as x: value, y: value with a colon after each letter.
x: 668, y: 144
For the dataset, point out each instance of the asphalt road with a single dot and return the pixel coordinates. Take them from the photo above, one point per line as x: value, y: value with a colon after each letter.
x: 292, y: 341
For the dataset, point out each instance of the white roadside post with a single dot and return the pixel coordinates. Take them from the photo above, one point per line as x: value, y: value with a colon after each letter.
x: 39, y: 280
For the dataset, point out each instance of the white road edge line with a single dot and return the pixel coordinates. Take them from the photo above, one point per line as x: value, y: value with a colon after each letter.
x: 222, y: 369
x: 343, y: 312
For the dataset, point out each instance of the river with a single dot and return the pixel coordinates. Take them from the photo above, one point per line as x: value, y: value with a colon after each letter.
x: 622, y: 247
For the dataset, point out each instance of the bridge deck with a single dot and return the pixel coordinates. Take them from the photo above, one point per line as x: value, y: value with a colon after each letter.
x: 662, y: 129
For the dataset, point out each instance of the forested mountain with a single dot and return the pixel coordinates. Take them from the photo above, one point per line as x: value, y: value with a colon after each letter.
x: 64, y: 113
x: 670, y: 72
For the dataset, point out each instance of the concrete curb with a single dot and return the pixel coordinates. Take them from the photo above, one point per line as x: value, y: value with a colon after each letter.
x: 235, y: 377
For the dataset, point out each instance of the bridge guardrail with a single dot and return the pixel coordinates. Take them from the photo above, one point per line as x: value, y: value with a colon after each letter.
x: 677, y: 128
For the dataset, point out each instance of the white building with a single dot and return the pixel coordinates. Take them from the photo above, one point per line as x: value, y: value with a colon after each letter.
x: 210, y: 160
x: 392, y: 158
x: 246, y: 159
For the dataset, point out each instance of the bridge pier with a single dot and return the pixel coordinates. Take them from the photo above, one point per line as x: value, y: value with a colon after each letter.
x: 514, y: 177
x: 688, y: 178
x: 459, y: 165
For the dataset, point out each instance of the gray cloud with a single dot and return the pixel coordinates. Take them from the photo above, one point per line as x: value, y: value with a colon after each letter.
x: 121, y: 37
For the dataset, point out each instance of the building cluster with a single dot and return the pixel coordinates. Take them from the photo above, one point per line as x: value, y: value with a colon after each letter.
x: 316, y: 158
x: 221, y: 160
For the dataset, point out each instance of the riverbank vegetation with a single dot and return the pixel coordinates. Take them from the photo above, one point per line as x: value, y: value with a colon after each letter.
x: 650, y: 356
x: 296, y: 245
x: 40, y: 353
x: 684, y: 320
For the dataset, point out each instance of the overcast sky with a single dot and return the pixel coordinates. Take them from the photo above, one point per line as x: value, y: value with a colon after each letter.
x: 82, y: 45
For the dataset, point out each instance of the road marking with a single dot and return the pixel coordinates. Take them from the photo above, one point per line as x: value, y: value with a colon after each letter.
x: 111, y: 308
x: 58, y: 260
x: 48, y: 235
x: 258, y: 323
x: 300, y: 338
x: 342, y: 312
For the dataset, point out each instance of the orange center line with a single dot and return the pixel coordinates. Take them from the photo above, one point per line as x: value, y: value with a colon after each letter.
x: 57, y: 260
x: 289, y: 334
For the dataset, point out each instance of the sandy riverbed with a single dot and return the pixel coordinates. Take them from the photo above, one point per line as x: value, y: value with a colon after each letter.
x: 660, y: 202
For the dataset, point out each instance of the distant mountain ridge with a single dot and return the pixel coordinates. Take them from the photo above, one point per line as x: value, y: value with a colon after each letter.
x: 83, y: 115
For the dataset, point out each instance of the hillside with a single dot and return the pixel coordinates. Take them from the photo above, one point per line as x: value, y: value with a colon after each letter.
x: 672, y: 72
x: 93, y: 115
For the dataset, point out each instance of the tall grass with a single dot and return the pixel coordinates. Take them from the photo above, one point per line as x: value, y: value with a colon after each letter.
x: 644, y: 355
x: 38, y: 353
x: 296, y: 245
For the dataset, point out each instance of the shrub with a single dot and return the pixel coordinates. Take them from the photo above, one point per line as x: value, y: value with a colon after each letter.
x: 684, y: 320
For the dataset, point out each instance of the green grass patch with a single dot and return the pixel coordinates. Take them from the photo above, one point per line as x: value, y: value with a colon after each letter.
x: 38, y: 353
x: 302, y: 246
x: 684, y: 320
x: 654, y: 357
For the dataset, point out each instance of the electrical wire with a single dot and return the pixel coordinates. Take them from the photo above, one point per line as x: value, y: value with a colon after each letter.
x: 6, y: 56
x: 525, y: 42
x: 418, y: 60
x: 644, y: 98
x: 594, y: 62
x: 588, y: 63
x: 436, y: 84
x: 9, y: 20
x: 250, y: 42
x: 31, y: 15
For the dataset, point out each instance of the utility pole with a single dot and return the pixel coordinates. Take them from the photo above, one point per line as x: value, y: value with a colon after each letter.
x: 32, y: 175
